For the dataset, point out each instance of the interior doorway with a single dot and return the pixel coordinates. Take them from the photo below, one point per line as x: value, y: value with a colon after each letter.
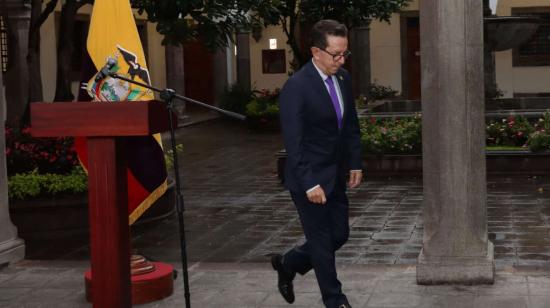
x: 199, y: 73
x: 413, y: 58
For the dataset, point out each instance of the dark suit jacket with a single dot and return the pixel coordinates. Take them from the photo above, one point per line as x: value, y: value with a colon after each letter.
x: 317, y: 151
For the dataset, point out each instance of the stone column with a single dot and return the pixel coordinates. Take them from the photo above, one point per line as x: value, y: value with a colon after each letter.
x: 455, y: 244
x: 17, y: 76
x: 220, y: 74
x: 243, y: 59
x: 360, y: 48
x: 175, y: 77
x: 12, y: 249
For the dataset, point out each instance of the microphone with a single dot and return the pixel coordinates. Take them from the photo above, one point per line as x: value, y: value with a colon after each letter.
x: 106, y: 70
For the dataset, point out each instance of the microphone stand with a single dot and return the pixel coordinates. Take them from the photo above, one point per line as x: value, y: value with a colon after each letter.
x: 168, y: 95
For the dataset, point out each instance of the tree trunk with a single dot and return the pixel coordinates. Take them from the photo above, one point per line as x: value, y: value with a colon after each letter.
x: 293, y: 41
x: 65, y: 49
x: 33, y: 57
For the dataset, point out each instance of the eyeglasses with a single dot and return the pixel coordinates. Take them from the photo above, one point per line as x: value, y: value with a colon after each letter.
x: 338, y: 57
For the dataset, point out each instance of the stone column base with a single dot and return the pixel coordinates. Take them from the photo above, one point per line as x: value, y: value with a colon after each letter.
x: 12, y: 250
x: 456, y: 270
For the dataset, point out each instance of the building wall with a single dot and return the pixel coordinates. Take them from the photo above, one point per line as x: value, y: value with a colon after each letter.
x: 385, y: 42
x: 48, y: 60
x: 258, y: 79
x: 385, y: 52
x: 519, y: 79
x: 385, y: 48
x: 386, y: 55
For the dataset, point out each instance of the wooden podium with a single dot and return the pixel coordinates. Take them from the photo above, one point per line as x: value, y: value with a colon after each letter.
x: 104, y: 125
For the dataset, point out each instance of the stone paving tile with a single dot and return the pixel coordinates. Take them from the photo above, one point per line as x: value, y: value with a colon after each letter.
x: 380, y: 299
x: 237, y: 211
x: 501, y: 302
x: 12, y: 294
x: 254, y: 285
x: 539, y: 301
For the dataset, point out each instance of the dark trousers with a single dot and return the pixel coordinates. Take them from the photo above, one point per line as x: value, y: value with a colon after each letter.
x: 326, y: 228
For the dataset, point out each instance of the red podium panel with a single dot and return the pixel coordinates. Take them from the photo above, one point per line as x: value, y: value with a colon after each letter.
x: 103, y: 124
x: 95, y: 119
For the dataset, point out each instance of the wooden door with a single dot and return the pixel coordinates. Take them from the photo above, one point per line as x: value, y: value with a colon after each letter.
x: 413, y: 57
x: 199, y: 73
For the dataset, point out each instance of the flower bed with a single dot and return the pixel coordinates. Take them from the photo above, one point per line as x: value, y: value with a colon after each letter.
x: 262, y: 112
x: 394, y: 146
x: 497, y: 163
x: 404, y: 135
x: 48, y: 188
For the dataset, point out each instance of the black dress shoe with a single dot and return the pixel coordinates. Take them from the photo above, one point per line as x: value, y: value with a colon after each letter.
x: 284, y: 280
x: 344, y: 306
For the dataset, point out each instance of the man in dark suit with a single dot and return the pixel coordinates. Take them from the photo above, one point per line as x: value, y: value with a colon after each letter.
x: 322, y: 141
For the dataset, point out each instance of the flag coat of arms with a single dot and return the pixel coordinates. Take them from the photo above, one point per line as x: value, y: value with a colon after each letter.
x: 113, y: 35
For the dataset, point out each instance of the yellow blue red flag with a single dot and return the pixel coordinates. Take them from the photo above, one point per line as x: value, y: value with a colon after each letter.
x: 113, y: 35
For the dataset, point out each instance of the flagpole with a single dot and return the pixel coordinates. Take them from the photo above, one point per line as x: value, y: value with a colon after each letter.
x: 168, y: 95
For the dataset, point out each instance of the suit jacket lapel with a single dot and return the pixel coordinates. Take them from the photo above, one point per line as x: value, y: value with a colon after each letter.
x: 344, y: 93
x: 320, y: 87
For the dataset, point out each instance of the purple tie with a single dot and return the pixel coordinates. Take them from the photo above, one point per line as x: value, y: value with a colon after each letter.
x: 334, y: 98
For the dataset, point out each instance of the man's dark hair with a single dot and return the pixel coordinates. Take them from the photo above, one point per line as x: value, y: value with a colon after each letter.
x: 323, y: 28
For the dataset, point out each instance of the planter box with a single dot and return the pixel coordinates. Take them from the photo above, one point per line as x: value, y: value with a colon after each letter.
x: 68, y: 216
x: 267, y: 123
x: 498, y: 162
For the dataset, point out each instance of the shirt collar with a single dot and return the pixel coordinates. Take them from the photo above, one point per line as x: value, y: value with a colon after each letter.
x: 323, y: 75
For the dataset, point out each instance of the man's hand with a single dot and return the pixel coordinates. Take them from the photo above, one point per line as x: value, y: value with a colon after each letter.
x: 317, y: 195
x: 355, y: 177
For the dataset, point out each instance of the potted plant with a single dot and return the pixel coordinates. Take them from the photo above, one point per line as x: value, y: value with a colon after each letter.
x: 262, y: 111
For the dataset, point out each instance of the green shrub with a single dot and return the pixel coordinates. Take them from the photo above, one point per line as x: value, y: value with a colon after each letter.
x: 404, y: 135
x: 512, y: 131
x: 236, y: 98
x: 25, y: 153
x: 361, y: 101
x: 378, y: 92
x: 32, y: 184
x: 168, y: 157
x: 265, y: 103
x: 540, y: 139
x: 391, y: 136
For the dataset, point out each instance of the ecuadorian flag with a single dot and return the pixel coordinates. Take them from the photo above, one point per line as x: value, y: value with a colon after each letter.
x: 113, y: 34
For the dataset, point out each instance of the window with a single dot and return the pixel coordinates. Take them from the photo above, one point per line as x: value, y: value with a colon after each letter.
x: 536, y: 51
x: 3, y: 45
x: 273, y: 61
